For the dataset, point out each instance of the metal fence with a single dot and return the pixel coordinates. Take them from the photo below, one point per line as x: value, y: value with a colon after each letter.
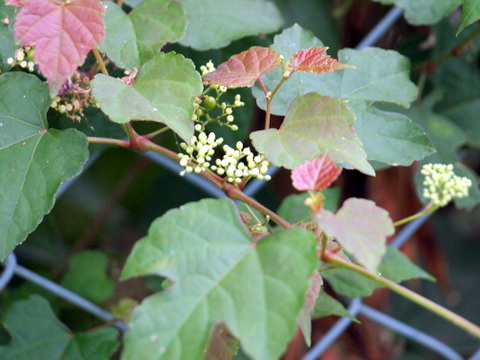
x: 356, y: 307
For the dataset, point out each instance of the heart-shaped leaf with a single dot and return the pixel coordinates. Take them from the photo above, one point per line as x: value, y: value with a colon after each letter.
x: 219, y: 275
x: 145, y: 30
x: 38, y: 334
x: 62, y: 32
x: 35, y: 161
x: 361, y: 228
x: 315, y: 60
x: 314, y: 125
x: 164, y: 90
x: 242, y: 70
x: 315, y: 175
x: 213, y: 24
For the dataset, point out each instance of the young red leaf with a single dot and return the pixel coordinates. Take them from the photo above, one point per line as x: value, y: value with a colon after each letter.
x: 242, y: 70
x: 316, y: 174
x: 14, y: 2
x: 315, y: 60
x: 361, y: 228
x: 62, y: 33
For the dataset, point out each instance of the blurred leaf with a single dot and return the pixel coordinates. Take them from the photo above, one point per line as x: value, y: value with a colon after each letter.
x: 62, y: 33
x: 35, y: 161
x: 327, y: 305
x: 390, y: 137
x: 213, y: 24
x: 219, y: 275
x: 87, y: 276
x: 133, y: 39
x: 361, y: 228
x: 7, y: 44
x: 315, y: 175
x: 314, y: 125
x: 395, y: 266
x: 222, y: 345
x: 425, y: 12
x: 38, y: 334
x: 304, y: 319
x: 242, y: 70
x: 164, y: 91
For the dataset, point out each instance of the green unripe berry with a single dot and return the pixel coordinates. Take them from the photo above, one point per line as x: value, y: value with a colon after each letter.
x: 209, y: 102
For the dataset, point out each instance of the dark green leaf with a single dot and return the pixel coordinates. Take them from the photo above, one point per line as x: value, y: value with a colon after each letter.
x: 314, y: 125
x: 327, y: 305
x: 219, y: 275
x: 34, y: 161
x: 37, y: 334
x: 164, y: 91
x: 7, y: 43
x: 213, y: 24
x: 87, y: 276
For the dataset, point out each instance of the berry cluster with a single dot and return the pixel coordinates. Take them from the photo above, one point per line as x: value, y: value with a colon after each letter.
x: 236, y: 164
x: 442, y: 185
x: 23, y: 58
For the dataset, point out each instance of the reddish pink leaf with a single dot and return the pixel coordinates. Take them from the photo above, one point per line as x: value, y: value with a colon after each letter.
x: 62, y: 33
x: 315, y: 60
x: 315, y: 175
x: 242, y: 70
x: 15, y: 2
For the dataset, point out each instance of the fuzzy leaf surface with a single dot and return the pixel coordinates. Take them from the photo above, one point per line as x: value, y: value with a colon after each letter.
x: 164, y: 91
x: 218, y: 275
x: 38, y: 334
x: 361, y: 228
x: 313, y: 125
x: 227, y: 20
x: 315, y: 60
x: 425, y: 12
x: 395, y: 266
x: 133, y: 39
x: 315, y: 175
x: 62, y: 33
x: 242, y: 70
x: 34, y: 161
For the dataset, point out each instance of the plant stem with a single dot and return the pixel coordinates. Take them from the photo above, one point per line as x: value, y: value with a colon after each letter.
x: 269, y: 96
x: 100, y: 140
x: 235, y: 193
x: 427, y: 210
x: 157, y: 132
x: 100, y: 62
x: 412, y: 296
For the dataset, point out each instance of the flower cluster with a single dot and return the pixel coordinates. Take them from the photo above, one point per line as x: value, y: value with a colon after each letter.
x: 73, y: 97
x: 442, y: 185
x: 23, y: 58
x: 235, y: 165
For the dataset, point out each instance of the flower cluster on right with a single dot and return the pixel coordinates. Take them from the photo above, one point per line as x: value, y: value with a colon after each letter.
x: 441, y: 185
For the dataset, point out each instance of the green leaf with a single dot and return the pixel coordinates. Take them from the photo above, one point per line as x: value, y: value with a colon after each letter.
x: 378, y: 75
x: 327, y: 305
x: 35, y: 161
x: 395, y: 266
x: 38, y: 334
x: 425, y: 12
x: 293, y: 207
x: 87, y: 276
x: 133, y: 39
x: 470, y: 13
x: 213, y: 24
x: 164, y: 91
x: 7, y: 43
x: 219, y: 275
x: 314, y: 125
x: 361, y: 228
x: 389, y: 137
